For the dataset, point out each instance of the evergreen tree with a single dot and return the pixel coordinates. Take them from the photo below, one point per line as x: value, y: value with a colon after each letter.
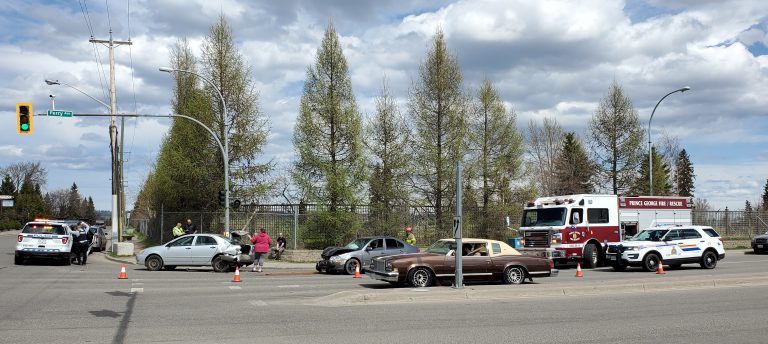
x: 495, y: 151
x: 7, y: 187
x: 328, y: 132
x: 29, y: 202
x: 387, y: 143
x: 74, y: 203
x: 684, y: 175
x: 437, y: 108
x: 765, y: 195
x: 573, y: 171
x: 661, y: 185
x: 89, y: 209
x: 748, y: 207
x: 616, y: 138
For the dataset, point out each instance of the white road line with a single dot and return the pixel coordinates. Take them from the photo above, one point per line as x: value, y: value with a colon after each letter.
x: 235, y: 287
x: 289, y: 286
x: 135, y: 283
x: 137, y: 290
x: 258, y: 303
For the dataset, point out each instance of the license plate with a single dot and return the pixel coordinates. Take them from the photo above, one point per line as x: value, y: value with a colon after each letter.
x: 41, y: 241
x: 611, y: 257
x: 759, y: 246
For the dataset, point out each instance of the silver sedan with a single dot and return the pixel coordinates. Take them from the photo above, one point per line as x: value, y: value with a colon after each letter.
x: 192, y: 250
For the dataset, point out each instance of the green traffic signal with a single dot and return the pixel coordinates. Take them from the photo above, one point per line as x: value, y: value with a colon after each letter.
x: 24, y: 118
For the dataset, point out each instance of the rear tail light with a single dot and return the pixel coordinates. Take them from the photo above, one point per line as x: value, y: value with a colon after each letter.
x: 551, y: 264
x: 64, y: 240
x: 721, y: 240
x: 21, y: 237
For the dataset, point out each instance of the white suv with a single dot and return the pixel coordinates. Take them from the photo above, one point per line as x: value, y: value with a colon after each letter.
x: 673, y: 246
x: 44, y: 239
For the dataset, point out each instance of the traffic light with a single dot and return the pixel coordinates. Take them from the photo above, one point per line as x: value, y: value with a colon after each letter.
x: 222, y: 198
x: 24, y: 118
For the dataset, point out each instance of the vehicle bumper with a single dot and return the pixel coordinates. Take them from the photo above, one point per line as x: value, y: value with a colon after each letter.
x: 41, y: 252
x: 630, y: 259
x: 242, y: 259
x: 550, y: 253
x: 328, y: 265
x: 384, y: 276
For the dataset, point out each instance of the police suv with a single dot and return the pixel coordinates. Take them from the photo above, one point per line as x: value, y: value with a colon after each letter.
x: 44, y: 239
x: 671, y: 245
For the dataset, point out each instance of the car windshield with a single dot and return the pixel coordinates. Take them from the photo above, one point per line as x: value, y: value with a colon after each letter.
x: 442, y: 247
x: 44, y: 229
x: 649, y: 235
x: 544, y: 217
x: 357, y: 244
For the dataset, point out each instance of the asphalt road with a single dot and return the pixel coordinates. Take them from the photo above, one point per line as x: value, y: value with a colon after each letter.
x: 41, y: 302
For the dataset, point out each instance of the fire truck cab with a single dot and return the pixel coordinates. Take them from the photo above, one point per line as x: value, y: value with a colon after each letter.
x: 576, y: 227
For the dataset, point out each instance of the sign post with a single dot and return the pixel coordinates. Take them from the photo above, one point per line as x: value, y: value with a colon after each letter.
x: 459, y: 277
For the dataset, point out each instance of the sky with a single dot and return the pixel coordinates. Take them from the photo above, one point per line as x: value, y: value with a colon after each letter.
x: 546, y: 58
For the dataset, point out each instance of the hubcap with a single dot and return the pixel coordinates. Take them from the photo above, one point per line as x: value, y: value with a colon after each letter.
x: 420, y: 278
x: 514, y: 275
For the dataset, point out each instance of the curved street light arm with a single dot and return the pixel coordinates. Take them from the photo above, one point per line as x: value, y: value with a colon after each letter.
x: 57, y: 82
x: 650, y: 153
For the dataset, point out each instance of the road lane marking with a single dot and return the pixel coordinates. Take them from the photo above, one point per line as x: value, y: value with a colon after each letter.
x: 258, y: 303
x: 289, y: 286
x: 235, y: 287
x: 137, y: 290
x: 135, y: 283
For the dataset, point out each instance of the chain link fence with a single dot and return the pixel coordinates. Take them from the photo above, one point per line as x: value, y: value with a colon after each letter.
x: 295, y: 222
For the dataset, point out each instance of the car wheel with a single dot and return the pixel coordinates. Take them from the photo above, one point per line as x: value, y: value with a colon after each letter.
x: 154, y: 263
x: 421, y: 277
x: 651, y: 262
x: 514, y: 275
x: 708, y: 260
x: 351, y: 265
x: 619, y: 267
x: 675, y: 266
x: 219, y: 265
x: 590, y: 256
x: 169, y: 267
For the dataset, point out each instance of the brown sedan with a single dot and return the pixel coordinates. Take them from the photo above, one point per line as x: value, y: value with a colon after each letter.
x: 482, y: 259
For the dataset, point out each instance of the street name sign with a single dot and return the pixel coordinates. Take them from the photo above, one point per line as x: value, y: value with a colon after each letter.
x: 59, y: 113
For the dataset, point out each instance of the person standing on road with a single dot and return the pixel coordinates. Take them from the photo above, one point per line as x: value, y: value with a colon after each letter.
x: 409, y: 237
x: 280, y: 246
x: 80, y: 244
x: 261, y: 242
x: 177, y: 231
x: 190, y: 227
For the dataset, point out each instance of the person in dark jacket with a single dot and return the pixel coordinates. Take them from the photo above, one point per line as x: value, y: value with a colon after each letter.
x: 80, y: 243
x: 189, y: 228
x: 279, y: 247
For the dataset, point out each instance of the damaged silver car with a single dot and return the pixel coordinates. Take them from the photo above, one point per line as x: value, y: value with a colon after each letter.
x: 359, y: 253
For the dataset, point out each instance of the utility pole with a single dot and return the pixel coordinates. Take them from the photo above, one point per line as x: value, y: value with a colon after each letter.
x: 118, y: 200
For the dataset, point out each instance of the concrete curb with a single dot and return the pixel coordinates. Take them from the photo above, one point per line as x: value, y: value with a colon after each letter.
x: 124, y: 260
x: 438, y: 294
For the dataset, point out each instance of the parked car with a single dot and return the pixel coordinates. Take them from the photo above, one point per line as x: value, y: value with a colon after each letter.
x: 670, y: 245
x: 760, y: 243
x: 99, y: 238
x: 44, y: 239
x: 195, y: 250
x: 482, y: 260
x: 359, y: 253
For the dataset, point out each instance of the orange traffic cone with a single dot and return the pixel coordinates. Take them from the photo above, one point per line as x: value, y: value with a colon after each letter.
x: 123, y: 275
x: 578, y: 270
x: 357, y: 271
x: 237, y: 275
x: 660, y: 270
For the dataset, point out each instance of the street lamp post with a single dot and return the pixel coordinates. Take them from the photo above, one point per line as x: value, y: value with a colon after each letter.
x: 226, y: 140
x: 650, y: 152
x: 116, y: 182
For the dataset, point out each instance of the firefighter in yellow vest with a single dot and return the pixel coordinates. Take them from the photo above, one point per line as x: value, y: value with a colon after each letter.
x: 410, y: 238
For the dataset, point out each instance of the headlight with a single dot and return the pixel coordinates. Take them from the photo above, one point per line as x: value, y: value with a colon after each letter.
x: 142, y: 252
x: 337, y: 259
x: 557, y: 238
x: 388, y: 266
x: 631, y: 248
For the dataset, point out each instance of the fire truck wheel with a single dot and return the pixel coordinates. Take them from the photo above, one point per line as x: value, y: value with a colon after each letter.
x: 590, y: 256
x: 651, y: 262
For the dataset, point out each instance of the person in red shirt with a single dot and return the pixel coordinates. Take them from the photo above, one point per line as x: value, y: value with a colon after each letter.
x: 261, y: 243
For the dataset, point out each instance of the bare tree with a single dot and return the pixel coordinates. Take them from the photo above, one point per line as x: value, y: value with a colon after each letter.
x: 544, y: 145
x: 20, y: 170
x: 669, y: 148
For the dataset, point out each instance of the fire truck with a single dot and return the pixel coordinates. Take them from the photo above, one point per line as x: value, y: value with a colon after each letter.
x: 576, y: 228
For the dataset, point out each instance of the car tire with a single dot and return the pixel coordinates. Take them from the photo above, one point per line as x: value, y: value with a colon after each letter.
x: 17, y: 260
x: 591, y: 259
x: 420, y: 278
x: 350, y: 265
x: 154, y: 263
x: 514, y: 275
x: 169, y: 267
x: 219, y: 265
x: 708, y: 260
x: 651, y: 262
x: 619, y: 267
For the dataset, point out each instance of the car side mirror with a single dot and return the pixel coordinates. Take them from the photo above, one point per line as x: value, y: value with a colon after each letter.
x: 368, y: 248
